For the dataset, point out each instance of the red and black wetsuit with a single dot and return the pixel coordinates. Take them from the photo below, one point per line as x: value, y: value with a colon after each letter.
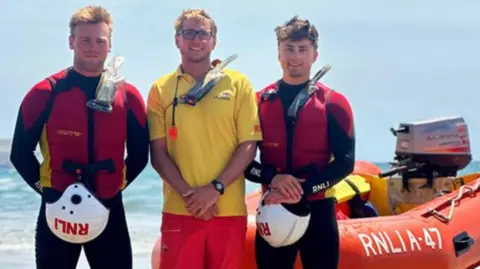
x: 323, y: 129
x: 75, y: 139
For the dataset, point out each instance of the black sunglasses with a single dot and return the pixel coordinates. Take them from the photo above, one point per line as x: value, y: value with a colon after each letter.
x: 190, y: 34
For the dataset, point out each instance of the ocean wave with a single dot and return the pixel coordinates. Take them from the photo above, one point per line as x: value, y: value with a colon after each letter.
x: 7, y: 184
x: 17, y: 232
x: 26, y: 246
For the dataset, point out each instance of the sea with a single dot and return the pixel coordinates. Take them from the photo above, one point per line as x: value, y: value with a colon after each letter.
x: 143, y: 201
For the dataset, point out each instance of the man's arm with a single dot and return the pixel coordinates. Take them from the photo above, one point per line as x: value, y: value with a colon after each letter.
x: 248, y: 132
x: 244, y: 154
x: 28, y: 129
x: 160, y: 159
x: 260, y: 173
x: 341, y: 135
x: 137, y: 135
x: 166, y: 168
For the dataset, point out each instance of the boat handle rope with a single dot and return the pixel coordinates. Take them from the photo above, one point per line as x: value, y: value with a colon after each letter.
x: 463, y: 190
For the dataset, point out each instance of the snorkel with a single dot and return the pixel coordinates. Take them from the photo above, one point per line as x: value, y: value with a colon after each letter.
x: 107, y: 88
x: 211, y: 79
x: 304, y: 94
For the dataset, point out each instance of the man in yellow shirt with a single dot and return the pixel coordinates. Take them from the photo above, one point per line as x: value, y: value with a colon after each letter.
x: 201, y: 151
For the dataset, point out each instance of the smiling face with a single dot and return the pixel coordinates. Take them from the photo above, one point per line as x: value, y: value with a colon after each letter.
x: 195, y: 40
x: 296, y: 57
x: 90, y: 44
x: 297, y: 49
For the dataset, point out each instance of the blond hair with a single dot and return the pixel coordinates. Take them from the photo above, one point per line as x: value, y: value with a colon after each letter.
x: 297, y: 29
x: 90, y: 15
x: 195, y: 14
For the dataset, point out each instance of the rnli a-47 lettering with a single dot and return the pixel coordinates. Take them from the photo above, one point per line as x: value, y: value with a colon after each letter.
x: 380, y: 243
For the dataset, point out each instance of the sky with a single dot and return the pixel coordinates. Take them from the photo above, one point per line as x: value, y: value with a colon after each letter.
x: 396, y: 61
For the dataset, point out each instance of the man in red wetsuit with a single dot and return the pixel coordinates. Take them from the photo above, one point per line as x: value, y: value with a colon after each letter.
x: 303, y: 155
x: 78, y: 142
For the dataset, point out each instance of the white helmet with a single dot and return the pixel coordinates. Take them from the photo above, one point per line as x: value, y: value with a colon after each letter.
x: 77, y: 216
x: 278, y: 226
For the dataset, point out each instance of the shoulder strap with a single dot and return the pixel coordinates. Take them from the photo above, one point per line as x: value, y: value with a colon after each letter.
x: 57, y: 86
x: 269, y: 93
x: 51, y: 99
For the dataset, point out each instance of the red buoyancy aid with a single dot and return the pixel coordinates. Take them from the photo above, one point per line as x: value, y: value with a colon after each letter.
x: 309, y: 139
x: 70, y: 135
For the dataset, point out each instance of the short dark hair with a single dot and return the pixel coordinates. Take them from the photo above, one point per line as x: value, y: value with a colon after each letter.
x: 297, y: 29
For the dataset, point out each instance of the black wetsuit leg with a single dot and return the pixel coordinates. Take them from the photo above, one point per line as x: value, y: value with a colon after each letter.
x: 268, y: 257
x: 112, y: 249
x: 320, y: 246
x: 52, y: 252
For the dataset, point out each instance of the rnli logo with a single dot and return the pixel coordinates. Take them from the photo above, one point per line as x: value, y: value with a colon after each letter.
x: 256, y: 172
x: 68, y: 133
x: 256, y: 128
x: 225, y: 95
x: 320, y: 187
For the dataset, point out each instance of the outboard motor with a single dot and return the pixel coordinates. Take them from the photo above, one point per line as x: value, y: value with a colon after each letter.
x: 430, y: 149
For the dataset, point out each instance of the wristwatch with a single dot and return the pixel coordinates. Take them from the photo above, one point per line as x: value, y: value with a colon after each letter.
x: 218, y: 186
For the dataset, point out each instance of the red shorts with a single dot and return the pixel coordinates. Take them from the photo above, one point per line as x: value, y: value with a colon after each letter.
x: 190, y: 243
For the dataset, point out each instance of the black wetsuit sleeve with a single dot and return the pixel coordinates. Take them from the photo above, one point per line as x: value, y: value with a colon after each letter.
x: 341, y: 137
x: 27, y: 133
x: 137, y: 135
x: 260, y: 173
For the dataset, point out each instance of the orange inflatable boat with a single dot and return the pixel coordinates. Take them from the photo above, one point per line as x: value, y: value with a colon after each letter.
x: 425, y: 220
x: 442, y: 233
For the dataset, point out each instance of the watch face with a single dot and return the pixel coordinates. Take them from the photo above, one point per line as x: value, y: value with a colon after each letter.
x: 219, y: 186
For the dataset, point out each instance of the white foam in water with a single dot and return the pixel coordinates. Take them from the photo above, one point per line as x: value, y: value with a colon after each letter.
x: 7, y: 184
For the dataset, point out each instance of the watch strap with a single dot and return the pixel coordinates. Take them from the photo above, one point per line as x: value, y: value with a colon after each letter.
x: 218, y: 186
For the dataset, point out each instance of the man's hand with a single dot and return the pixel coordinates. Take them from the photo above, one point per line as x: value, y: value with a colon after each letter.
x: 288, y: 185
x: 276, y: 197
x: 187, y: 195
x: 210, y: 214
x: 201, y: 199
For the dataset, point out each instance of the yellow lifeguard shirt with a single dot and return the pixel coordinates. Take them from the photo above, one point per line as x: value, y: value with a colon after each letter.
x: 207, y: 134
